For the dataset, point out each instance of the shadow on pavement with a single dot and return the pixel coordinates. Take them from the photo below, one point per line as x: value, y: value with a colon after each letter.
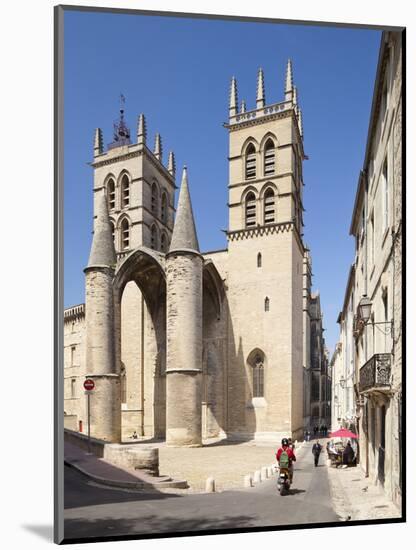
x: 145, y: 525
x: 81, y: 491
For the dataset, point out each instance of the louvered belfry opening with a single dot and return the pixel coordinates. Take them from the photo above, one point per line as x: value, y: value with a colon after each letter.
x: 250, y: 210
x: 269, y: 158
x: 250, y: 162
x: 269, y: 207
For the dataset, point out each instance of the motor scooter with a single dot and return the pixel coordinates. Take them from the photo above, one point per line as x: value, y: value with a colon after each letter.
x: 283, y: 481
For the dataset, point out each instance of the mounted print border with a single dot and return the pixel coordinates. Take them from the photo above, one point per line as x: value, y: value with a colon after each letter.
x: 222, y: 163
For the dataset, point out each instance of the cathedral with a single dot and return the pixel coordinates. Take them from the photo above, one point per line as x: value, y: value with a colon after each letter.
x: 185, y: 345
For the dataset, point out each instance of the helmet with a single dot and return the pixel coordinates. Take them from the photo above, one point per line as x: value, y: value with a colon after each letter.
x: 285, y: 441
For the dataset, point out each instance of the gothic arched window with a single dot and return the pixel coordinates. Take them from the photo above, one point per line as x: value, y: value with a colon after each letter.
x: 154, y: 199
x: 125, y: 191
x: 250, y: 210
x: 111, y: 194
x: 125, y: 234
x: 153, y: 238
x: 250, y: 162
x: 266, y: 304
x: 258, y: 376
x: 164, y: 208
x: 163, y: 243
x: 259, y: 259
x: 113, y: 231
x: 269, y: 158
x: 269, y: 207
x: 123, y: 384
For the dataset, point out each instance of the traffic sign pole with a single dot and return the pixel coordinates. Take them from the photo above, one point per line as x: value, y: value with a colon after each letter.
x: 89, y: 423
x: 89, y: 385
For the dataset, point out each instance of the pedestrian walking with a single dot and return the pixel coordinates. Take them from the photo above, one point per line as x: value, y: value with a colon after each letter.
x: 316, y: 451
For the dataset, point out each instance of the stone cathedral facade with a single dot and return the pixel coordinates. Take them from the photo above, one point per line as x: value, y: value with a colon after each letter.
x: 185, y: 345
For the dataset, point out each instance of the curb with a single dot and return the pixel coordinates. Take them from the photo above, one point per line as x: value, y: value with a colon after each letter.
x: 179, y: 484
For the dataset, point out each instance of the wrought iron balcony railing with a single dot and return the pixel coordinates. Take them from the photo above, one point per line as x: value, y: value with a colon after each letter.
x: 375, y: 374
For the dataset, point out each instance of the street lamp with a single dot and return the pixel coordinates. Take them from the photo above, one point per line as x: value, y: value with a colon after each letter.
x: 364, y: 309
x: 364, y: 314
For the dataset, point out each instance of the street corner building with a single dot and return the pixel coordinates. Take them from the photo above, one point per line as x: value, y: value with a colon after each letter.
x: 184, y: 345
x: 367, y: 363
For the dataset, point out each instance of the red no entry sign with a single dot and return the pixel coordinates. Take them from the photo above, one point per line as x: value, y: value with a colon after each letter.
x: 89, y: 384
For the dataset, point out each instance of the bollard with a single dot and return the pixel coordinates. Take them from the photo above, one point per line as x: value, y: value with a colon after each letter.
x: 257, y: 476
x: 269, y: 471
x: 210, y: 485
x: 264, y: 473
x: 248, y: 481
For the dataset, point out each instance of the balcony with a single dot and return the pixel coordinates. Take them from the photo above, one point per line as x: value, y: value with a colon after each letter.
x: 375, y: 374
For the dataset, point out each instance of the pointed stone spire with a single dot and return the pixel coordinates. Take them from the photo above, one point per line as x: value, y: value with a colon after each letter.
x: 233, y: 97
x: 300, y: 122
x: 141, y: 130
x: 289, y: 81
x: 171, y: 164
x: 98, y: 142
x: 184, y: 231
x: 243, y: 107
x: 158, y: 147
x: 102, y: 249
x: 260, y: 99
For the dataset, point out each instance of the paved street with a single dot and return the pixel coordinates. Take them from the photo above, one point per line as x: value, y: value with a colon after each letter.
x: 93, y: 511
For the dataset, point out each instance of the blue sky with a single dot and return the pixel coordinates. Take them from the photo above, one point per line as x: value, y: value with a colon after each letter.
x: 177, y: 71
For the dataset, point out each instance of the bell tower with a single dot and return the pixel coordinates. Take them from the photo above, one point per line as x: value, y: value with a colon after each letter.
x: 265, y: 259
x: 139, y: 188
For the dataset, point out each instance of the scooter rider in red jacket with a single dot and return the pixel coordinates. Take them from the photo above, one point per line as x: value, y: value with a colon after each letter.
x: 292, y: 458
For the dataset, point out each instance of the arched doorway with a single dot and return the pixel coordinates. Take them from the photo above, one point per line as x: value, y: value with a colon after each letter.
x: 140, y: 324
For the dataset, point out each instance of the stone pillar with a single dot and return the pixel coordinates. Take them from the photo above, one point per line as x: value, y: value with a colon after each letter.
x: 184, y: 348
x: 105, y: 406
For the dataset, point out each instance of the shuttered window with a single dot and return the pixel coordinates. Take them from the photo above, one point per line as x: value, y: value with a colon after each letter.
x: 111, y: 194
x: 250, y: 162
x: 269, y: 158
x: 269, y: 207
x: 125, y: 191
x: 125, y: 234
x: 250, y: 210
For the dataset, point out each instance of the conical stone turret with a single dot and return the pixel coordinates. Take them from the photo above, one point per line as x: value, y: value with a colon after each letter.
x: 102, y: 249
x: 184, y: 231
x: 184, y: 267
x: 260, y: 98
x: 100, y: 333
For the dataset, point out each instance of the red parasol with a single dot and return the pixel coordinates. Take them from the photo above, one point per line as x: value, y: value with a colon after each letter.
x: 344, y: 433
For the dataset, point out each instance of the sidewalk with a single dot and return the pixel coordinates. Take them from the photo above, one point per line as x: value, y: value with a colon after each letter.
x: 355, y: 497
x: 101, y: 471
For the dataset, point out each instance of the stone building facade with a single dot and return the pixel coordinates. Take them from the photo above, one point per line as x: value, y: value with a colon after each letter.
x: 183, y: 345
x: 371, y: 320
x: 320, y: 390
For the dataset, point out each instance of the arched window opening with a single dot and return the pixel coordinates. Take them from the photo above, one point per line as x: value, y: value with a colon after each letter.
x: 153, y: 238
x: 269, y: 158
x: 266, y: 304
x: 259, y: 259
x: 250, y: 162
x: 164, y: 208
x: 113, y: 231
x: 125, y: 234
x: 125, y: 191
x: 154, y: 199
x: 123, y: 384
x: 163, y: 243
x: 250, y: 210
x: 258, y: 376
x: 111, y: 194
x: 269, y: 207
